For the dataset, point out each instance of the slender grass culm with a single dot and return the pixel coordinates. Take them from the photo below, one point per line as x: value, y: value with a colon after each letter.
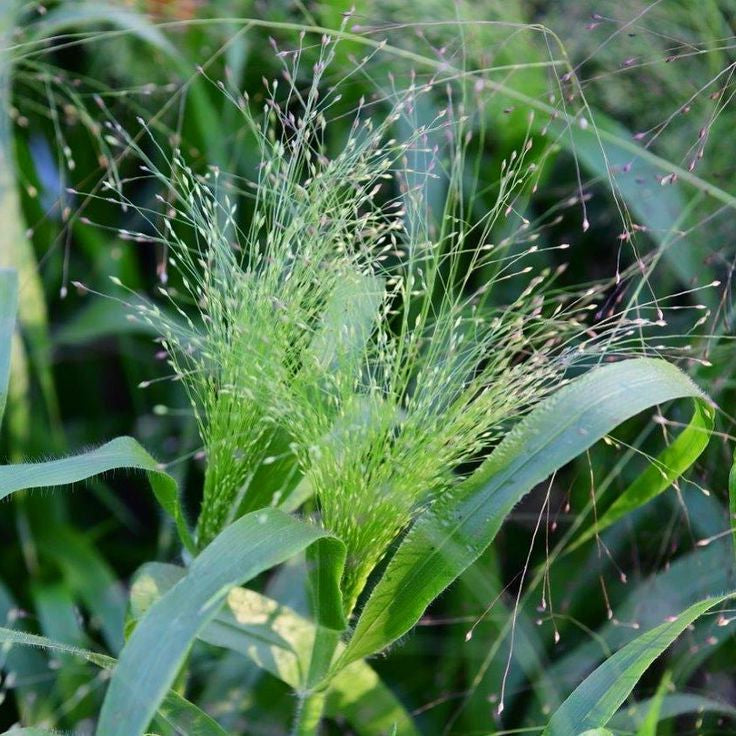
x: 375, y: 331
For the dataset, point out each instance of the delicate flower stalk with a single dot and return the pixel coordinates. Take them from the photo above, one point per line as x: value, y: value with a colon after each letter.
x: 309, y: 713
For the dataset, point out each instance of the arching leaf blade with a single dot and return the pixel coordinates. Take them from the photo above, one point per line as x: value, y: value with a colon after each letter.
x: 456, y: 530
x: 160, y: 643
x: 280, y: 641
x: 631, y: 717
x: 594, y: 702
x: 122, y: 452
x: 672, y: 462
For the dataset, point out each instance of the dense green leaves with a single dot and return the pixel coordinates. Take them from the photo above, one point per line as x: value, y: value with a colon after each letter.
x: 159, y: 644
x: 460, y: 526
x: 279, y: 640
x: 66, y: 575
x: 599, y: 696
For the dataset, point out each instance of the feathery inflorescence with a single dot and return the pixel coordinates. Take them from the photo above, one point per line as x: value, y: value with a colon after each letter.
x: 353, y: 330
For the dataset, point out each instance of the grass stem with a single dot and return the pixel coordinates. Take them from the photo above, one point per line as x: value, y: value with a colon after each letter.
x: 309, y: 713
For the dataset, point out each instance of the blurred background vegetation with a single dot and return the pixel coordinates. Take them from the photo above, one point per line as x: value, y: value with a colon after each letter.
x: 641, y: 185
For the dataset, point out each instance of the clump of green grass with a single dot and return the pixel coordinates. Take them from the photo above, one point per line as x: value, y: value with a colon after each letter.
x: 355, y: 336
x: 355, y: 323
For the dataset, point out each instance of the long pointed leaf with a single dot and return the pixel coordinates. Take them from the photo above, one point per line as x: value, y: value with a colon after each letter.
x: 599, y: 696
x: 160, y: 643
x: 631, y: 717
x: 453, y: 533
x: 674, y: 460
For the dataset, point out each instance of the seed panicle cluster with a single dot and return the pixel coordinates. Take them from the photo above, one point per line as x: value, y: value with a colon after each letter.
x: 351, y: 333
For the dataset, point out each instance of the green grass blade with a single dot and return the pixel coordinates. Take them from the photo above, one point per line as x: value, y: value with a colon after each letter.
x: 326, y: 563
x: 17, y: 250
x: 358, y: 695
x: 8, y: 307
x: 160, y: 643
x: 631, y: 717
x: 598, y: 697
x: 186, y: 718
x: 83, y: 14
x: 122, y: 452
x: 674, y: 460
x: 274, y: 636
x: 279, y: 640
x: 176, y: 711
x: 648, y: 726
x: 448, y: 538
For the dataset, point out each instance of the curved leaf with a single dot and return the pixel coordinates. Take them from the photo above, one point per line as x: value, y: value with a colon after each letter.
x: 456, y: 530
x: 674, y: 460
x: 160, y: 643
x: 122, y: 452
x: 279, y: 640
x: 632, y: 717
x: 185, y: 717
x: 82, y: 14
x: 599, y: 696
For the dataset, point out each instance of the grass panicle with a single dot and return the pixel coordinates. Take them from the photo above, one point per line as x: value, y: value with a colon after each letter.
x: 351, y: 327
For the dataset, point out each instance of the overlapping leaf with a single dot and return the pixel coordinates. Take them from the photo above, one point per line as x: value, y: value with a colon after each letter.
x: 159, y: 644
x: 460, y: 526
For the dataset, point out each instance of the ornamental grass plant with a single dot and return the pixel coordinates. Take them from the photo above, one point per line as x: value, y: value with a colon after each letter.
x: 382, y: 382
